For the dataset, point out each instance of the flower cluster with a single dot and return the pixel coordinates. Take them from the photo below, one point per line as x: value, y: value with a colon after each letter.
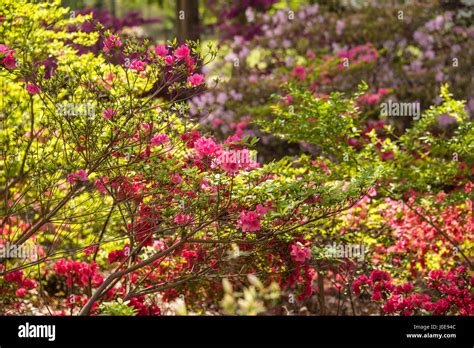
x: 453, y: 293
x: 80, y: 175
x: 142, y: 308
x: 111, y: 42
x: 7, y: 58
x: 78, y: 273
x: 24, y: 284
x: 297, y: 256
x: 231, y: 159
x: 299, y: 253
x: 249, y: 221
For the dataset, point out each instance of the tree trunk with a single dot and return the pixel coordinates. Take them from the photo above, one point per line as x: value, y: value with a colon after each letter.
x: 187, y: 20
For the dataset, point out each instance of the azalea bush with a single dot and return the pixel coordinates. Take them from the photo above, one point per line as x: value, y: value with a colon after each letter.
x: 405, y: 52
x: 133, y: 207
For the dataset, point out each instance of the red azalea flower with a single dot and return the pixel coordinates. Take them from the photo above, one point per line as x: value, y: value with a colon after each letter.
x: 9, y: 61
x: 21, y: 292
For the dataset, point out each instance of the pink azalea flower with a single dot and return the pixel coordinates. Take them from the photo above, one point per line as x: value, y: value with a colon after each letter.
x: 468, y: 187
x: 4, y: 49
x: 196, y: 79
x: 299, y: 72
x: 300, y: 254
x: 111, y: 42
x: 176, y: 179
x: 33, y: 89
x: 261, y: 210
x: 91, y: 249
x: 137, y: 65
x: 159, y: 139
x: 205, y: 146
x: 376, y: 296
x: 82, y: 175
x: 99, y: 184
x: 216, y: 122
x: 161, y: 50
x: 183, y: 219
x: 146, y: 126
x: 440, y: 197
x: 230, y: 167
x: 373, y: 98
x: 190, y: 63
x: 310, y: 54
x: 182, y: 52
x: 109, y: 113
x: 372, y: 192
x: 249, y: 221
x: 232, y: 139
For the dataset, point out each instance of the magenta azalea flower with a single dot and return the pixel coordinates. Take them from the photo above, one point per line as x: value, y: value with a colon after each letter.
x: 249, y: 221
x: 100, y: 186
x: 80, y: 174
x: 300, y: 254
x: 161, y: 50
x: 159, y: 139
x: 9, y: 61
x: 183, y: 219
x: 71, y: 178
x: 109, y: 113
x: 4, y: 49
x: 169, y: 60
x: 111, y: 42
x: 137, y: 65
x: 182, y: 52
x: 205, y: 146
x: 196, y: 79
x: 299, y: 72
x: 33, y: 89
